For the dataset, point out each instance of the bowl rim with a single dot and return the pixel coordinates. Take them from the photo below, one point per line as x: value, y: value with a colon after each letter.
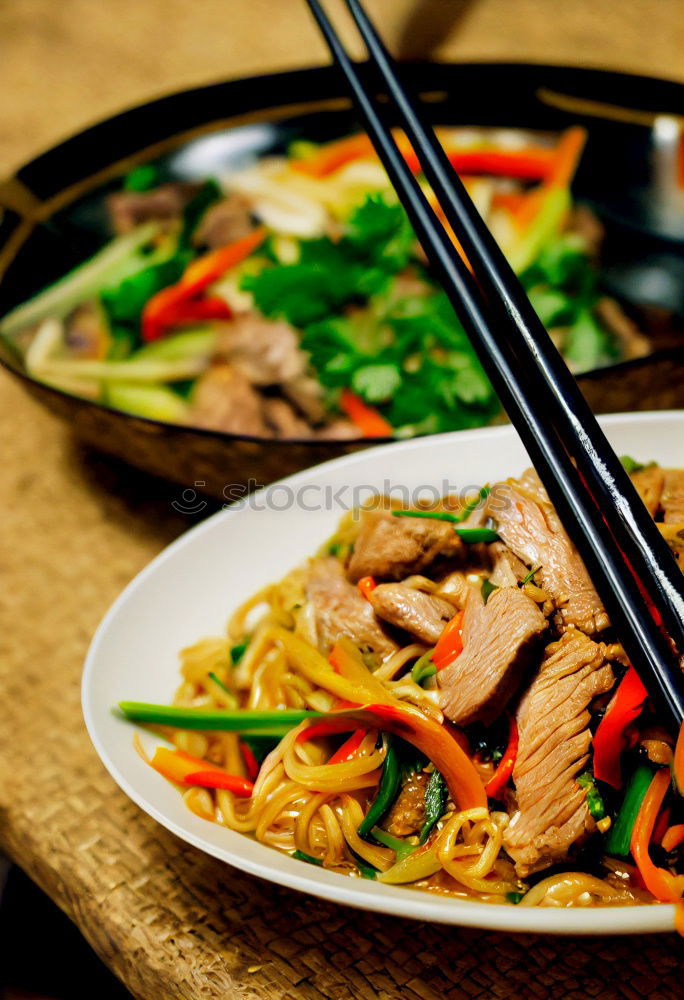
x: 644, y: 918
x: 325, y: 76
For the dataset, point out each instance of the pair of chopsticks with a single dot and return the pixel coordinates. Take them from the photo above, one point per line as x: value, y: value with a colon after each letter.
x: 630, y: 563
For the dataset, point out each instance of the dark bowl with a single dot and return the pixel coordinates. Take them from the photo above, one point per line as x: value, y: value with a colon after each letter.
x: 54, y: 218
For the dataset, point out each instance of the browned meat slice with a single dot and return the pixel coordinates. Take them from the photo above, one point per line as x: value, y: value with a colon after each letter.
x: 553, y: 722
x: 633, y: 343
x: 224, y: 400
x: 225, y: 222
x: 339, y: 609
x: 530, y: 527
x: 338, y: 430
x: 649, y: 485
x: 129, y: 209
x: 421, y: 614
x: 284, y: 421
x: 498, y: 640
x: 507, y: 569
x: 390, y: 548
x: 672, y: 500
x: 674, y: 536
x: 307, y: 395
x: 266, y: 351
x: 407, y: 815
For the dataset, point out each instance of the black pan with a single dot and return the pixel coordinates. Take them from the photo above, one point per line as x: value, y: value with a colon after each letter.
x: 54, y: 218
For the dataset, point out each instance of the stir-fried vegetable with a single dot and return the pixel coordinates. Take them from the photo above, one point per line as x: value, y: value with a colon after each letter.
x: 496, y: 784
x: 450, y: 644
x: 609, y: 739
x: 618, y: 840
x: 181, y: 767
x: 435, y: 802
x: 390, y: 782
x: 666, y: 887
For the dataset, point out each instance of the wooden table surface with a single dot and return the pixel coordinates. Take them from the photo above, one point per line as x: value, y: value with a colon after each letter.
x: 75, y: 527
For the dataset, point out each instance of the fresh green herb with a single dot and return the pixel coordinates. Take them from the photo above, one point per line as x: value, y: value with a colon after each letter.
x: 487, y: 589
x: 587, y: 344
x: 302, y: 856
x: 238, y: 651
x: 620, y: 835
x: 142, y: 178
x: 471, y: 536
x: 435, y: 801
x: 631, y: 465
x: 334, y: 548
x: 400, y: 847
x: 514, y: 897
x: 423, y: 668
x: 594, y: 799
x: 529, y: 577
x: 388, y: 789
x: 376, y: 383
x: 124, y: 304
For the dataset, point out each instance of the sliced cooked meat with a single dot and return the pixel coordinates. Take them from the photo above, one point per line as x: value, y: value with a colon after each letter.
x: 224, y: 400
x: 339, y: 609
x: 225, y: 222
x: 284, y: 421
x: 507, y: 569
x: 129, y: 209
x: 633, y: 343
x: 407, y: 815
x: 266, y: 351
x: 420, y: 614
x: 649, y: 484
x: 674, y: 536
x: 342, y: 430
x: 553, y: 723
x: 498, y: 640
x: 531, y: 528
x: 307, y: 395
x: 391, y: 548
x: 672, y: 499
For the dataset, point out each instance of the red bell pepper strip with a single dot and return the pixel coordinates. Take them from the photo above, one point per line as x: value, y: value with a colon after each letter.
x: 349, y: 747
x: 610, y: 737
x: 531, y: 163
x: 450, y: 643
x: 427, y: 735
x: 366, y: 585
x: 326, y: 728
x: 252, y: 765
x: 215, y: 779
x: 504, y: 770
x: 183, y: 768
x: 661, y: 883
x: 208, y: 268
x: 673, y: 837
x: 180, y: 304
x: 371, y: 423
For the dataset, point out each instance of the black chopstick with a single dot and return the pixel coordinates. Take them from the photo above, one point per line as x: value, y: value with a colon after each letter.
x: 635, y: 531
x: 527, y: 398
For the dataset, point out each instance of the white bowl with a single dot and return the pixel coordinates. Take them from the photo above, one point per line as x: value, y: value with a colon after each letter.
x: 190, y: 589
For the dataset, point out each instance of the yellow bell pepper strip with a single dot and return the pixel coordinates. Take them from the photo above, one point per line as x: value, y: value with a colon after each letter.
x: 366, y: 586
x: 662, y: 884
x: 673, y: 837
x: 450, y: 643
x: 183, y: 768
x: 371, y: 423
x: 496, y: 784
x: 346, y: 661
x: 678, y: 762
x: 436, y: 743
x: 181, y: 304
x: 610, y: 738
x: 418, y: 865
